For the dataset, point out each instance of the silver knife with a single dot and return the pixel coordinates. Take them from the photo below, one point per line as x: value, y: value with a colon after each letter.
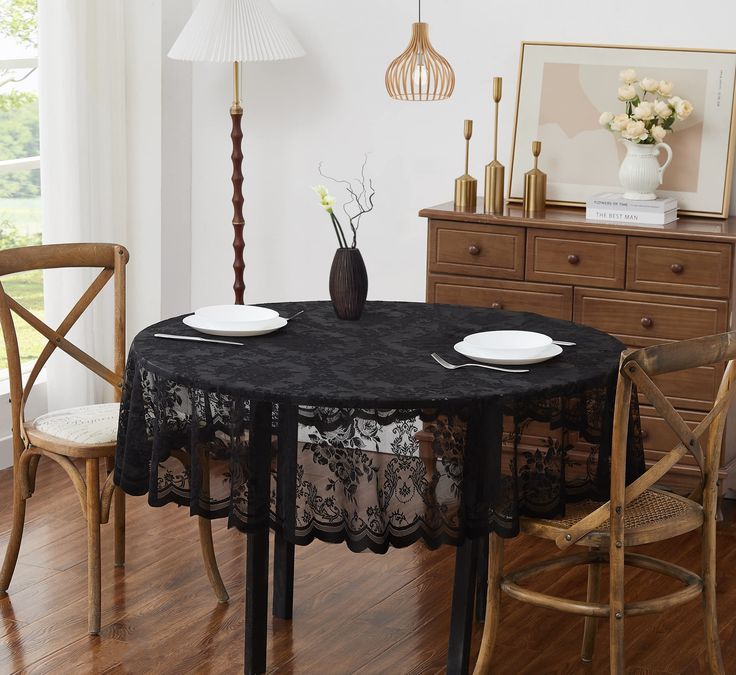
x: 196, y: 339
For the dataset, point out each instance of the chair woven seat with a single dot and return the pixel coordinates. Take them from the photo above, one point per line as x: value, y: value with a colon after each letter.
x: 85, y: 425
x: 649, y: 513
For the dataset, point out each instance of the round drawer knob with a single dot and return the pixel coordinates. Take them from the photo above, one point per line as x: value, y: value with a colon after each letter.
x: 474, y: 249
x: 573, y: 259
x: 677, y: 268
x: 647, y: 322
x: 644, y: 434
x: 497, y: 305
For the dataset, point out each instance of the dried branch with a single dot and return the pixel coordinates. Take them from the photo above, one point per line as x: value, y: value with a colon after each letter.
x: 360, y: 202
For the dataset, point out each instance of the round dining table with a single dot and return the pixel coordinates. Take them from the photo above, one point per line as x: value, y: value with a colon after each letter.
x: 349, y: 431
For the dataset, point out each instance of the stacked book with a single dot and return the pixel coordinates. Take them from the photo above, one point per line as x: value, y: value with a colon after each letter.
x: 612, y: 207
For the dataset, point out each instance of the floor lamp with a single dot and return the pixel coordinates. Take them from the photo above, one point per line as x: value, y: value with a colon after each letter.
x: 236, y: 31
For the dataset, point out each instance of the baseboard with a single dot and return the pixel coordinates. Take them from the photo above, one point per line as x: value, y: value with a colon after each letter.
x: 6, y: 452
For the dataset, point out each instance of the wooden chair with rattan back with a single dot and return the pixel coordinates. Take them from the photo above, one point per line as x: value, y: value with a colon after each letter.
x: 87, y: 433
x: 635, y: 514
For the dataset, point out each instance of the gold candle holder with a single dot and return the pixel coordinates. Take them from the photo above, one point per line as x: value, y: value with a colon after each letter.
x: 495, y: 172
x: 466, y: 187
x: 535, y: 186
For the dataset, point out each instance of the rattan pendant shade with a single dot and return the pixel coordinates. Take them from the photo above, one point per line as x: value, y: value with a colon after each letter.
x: 420, y: 73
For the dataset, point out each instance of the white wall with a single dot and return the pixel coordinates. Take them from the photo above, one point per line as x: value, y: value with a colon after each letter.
x: 332, y: 106
x: 158, y: 109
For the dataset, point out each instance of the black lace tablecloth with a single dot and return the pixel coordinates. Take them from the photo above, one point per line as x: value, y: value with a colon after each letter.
x: 363, y: 390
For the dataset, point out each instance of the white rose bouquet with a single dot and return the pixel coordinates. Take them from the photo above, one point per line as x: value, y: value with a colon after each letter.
x: 651, y: 109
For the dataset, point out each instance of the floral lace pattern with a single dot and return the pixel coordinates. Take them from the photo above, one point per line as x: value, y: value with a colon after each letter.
x: 369, y: 477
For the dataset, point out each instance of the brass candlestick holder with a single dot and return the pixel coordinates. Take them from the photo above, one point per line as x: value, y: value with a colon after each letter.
x: 535, y: 186
x: 495, y: 172
x: 466, y: 187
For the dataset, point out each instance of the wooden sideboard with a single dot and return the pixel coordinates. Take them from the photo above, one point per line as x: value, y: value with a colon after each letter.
x: 643, y: 284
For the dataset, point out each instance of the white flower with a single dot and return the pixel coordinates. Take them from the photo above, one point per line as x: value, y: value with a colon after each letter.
x: 326, y: 200
x: 627, y: 76
x: 658, y: 133
x: 644, y: 111
x: 649, y: 84
x: 683, y: 108
x: 327, y: 203
x: 665, y: 88
x: 635, y: 131
x: 620, y: 122
x: 627, y: 93
x: 662, y: 109
x: 605, y: 119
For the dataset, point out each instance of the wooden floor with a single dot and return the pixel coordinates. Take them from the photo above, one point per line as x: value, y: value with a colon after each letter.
x: 353, y: 613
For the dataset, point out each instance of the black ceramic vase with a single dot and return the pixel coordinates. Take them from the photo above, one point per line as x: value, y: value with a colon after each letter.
x: 348, y: 283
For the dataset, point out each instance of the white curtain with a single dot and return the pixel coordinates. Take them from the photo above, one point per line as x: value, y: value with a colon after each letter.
x: 83, y: 170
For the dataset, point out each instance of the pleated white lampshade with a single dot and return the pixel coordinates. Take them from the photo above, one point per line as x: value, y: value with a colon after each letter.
x: 236, y: 30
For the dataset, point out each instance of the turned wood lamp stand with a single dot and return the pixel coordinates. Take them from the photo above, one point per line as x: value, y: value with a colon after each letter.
x: 236, y: 114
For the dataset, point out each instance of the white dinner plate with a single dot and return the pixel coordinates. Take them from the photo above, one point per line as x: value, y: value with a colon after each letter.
x: 213, y: 328
x: 510, y: 344
x: 236, y: 313
x: 485, y: 356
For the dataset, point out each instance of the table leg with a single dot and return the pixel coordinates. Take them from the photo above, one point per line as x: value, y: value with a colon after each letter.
x: 481, y: 475
x: 461, y: 616
x: 283, y: 554
x: 256, y: 563
x: 481, y: 582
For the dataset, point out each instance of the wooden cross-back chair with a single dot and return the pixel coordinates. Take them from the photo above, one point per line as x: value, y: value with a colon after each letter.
x: 636, y: 514
x: 86, y: 433
x: 62, y: 436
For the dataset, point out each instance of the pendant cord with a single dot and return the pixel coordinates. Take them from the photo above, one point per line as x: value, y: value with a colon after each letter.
x: 420, y: 11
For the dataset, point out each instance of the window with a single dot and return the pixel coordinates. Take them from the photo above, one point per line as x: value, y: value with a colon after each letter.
x: 20, y: 185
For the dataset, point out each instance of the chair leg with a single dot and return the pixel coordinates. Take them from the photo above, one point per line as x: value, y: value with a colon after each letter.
x: 19, y: 516
x: 616, y: 604
x: 16, y: 535
x: 712, y: 644
x: 591, y: 622
x: 92, y: 469
x: 210, y: 560
x: 118, y: 515
x: 206, y: 542
x: 493, y: 606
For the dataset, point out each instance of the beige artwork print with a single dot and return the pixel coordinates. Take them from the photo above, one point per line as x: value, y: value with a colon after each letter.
x: 572, y: 99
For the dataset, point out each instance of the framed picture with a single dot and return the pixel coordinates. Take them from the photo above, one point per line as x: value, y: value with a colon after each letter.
x: 563, y: 89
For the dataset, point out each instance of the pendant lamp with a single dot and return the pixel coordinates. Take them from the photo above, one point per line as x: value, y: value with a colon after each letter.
x: 420, y: 73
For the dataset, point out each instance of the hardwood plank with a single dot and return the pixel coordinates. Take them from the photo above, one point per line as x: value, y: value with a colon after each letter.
x: 359, y: 613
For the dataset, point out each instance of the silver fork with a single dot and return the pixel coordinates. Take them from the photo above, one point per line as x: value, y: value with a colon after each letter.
x: 450, y: 366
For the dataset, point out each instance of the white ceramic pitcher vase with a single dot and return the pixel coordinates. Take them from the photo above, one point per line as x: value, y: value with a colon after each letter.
x: 641, y: 173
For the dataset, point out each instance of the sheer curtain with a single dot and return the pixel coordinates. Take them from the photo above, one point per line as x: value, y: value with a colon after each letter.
x: 83, y: 169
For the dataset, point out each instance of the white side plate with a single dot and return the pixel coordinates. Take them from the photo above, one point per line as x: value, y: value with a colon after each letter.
x: 203, y: 326
x: 484, y: 356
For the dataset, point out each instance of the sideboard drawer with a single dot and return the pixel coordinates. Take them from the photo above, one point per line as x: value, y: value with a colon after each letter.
x: 658, y: 436
x: 591, y: 259
x: 479, y: 250
x: 693, y: 389
x: 636, y: 316
x: 553, y: 301
x: 673, y: 266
